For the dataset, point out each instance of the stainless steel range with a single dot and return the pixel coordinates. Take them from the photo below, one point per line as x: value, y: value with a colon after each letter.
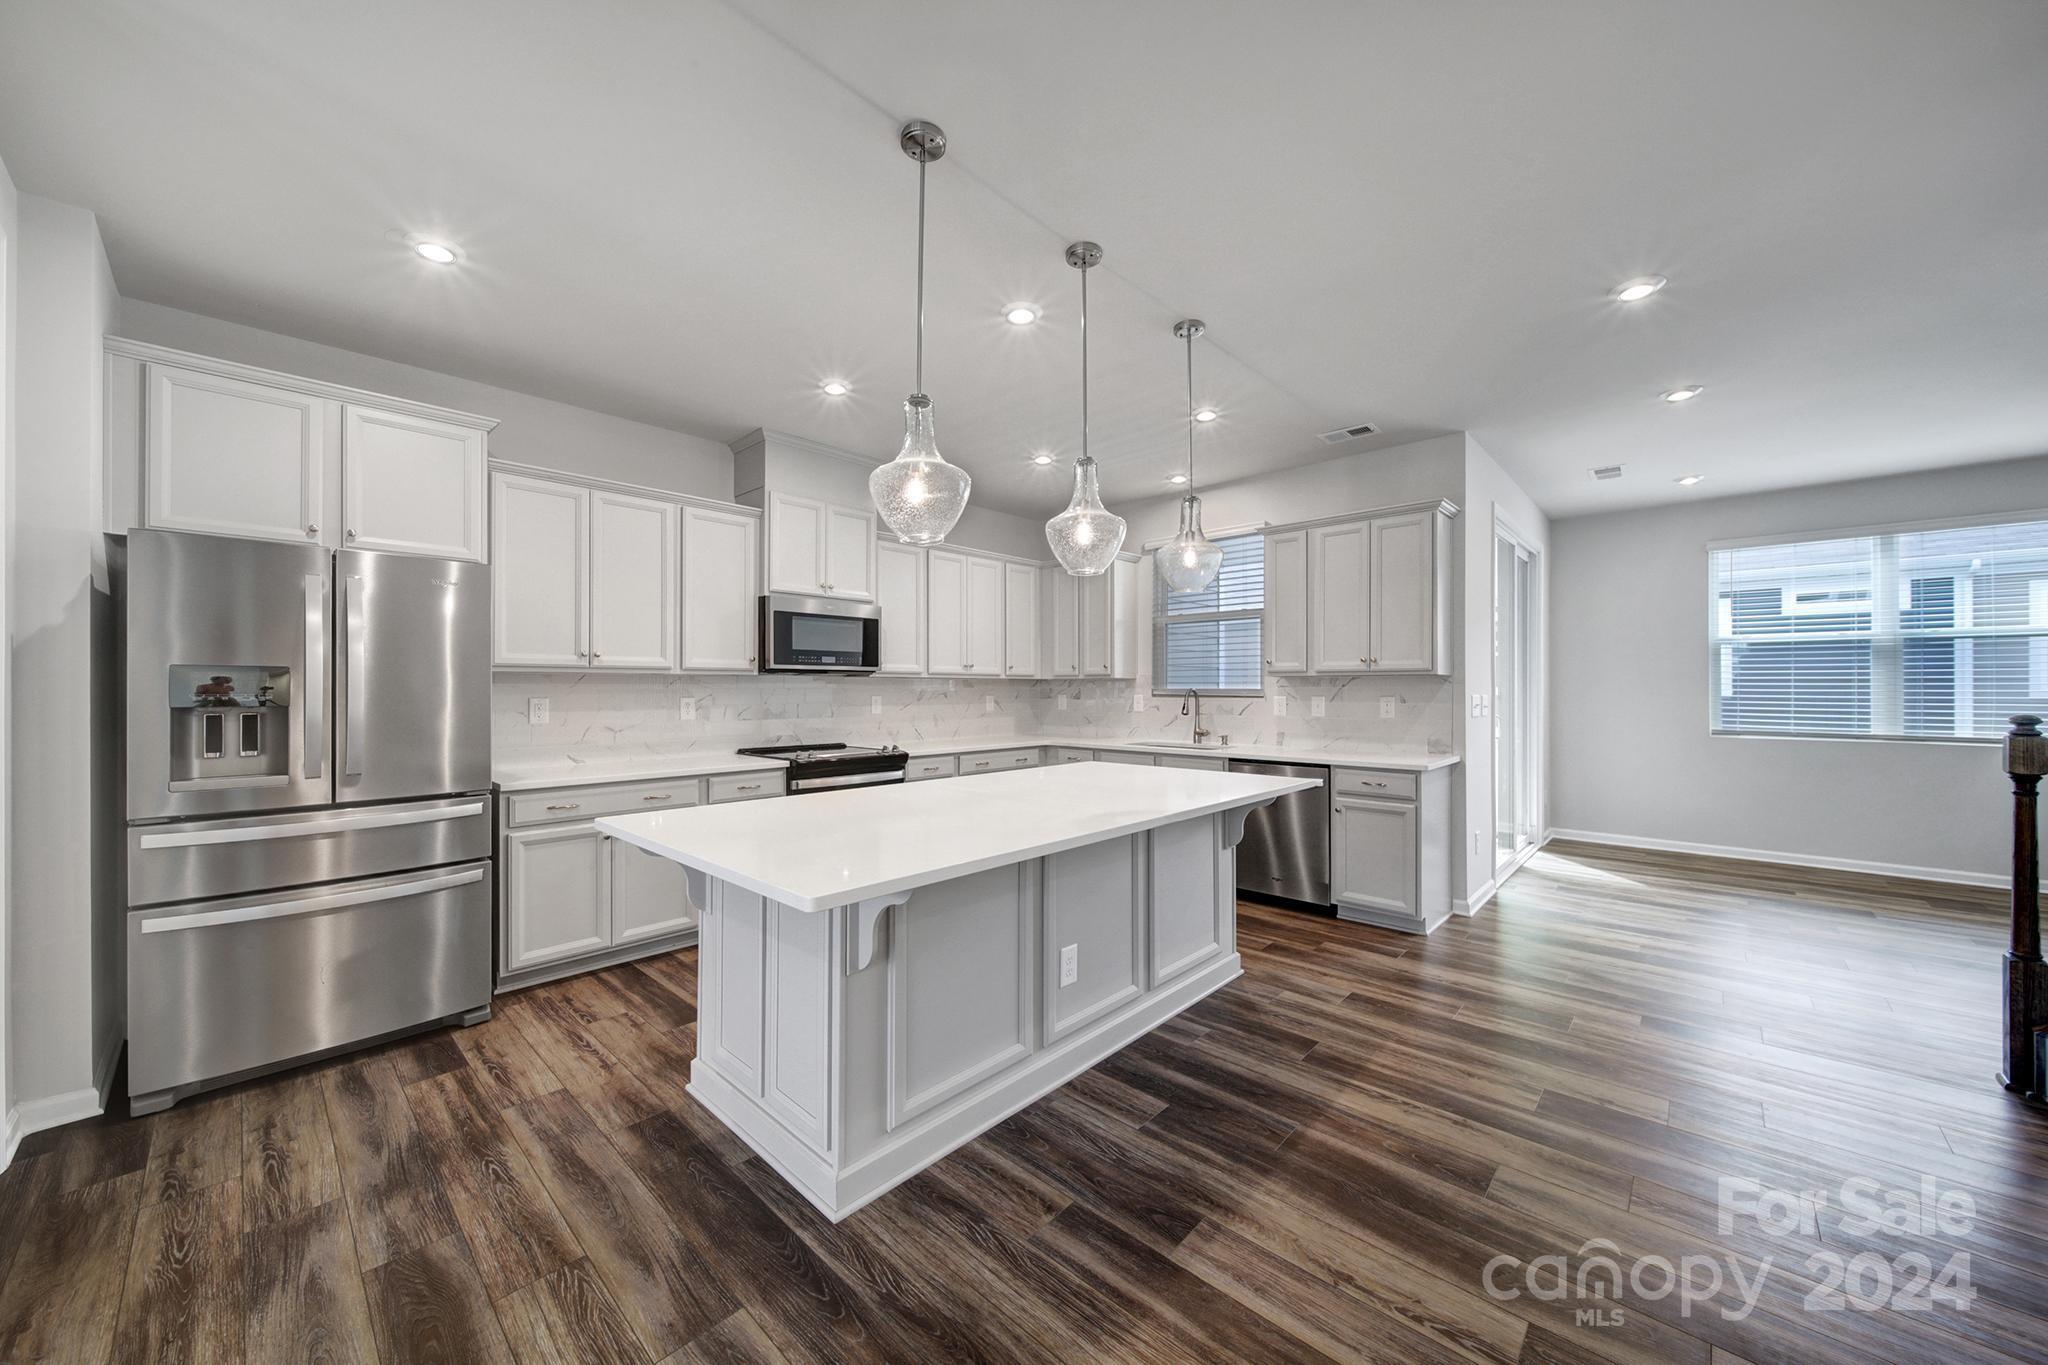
x: 827, y: 767
x: 309, y: 814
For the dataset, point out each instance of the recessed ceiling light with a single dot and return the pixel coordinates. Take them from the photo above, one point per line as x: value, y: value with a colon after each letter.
x: 1021, y: 314
x: 1640, y: 288
x: 1176, y: 478
x: 1205, y: 414
x: 1688, y: 480
x: 836, y: 388
x: 1041, y: 458
x: 1685, y: 394
x: 440, y: 253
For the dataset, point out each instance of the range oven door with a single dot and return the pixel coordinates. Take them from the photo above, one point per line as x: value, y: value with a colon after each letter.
x: 819, y: 635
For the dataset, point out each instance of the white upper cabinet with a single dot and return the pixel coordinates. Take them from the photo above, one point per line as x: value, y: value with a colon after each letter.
x: 984, y: 617
x: 899, y: 593
x: 540, y: 585
x: 1020, y: 620
x: 227, y: 457
x: 412, y: 485
x: 1109, y: 621
x: 1408, y: 631
x: 1287, y: 602
x: 1061, y: 594
x: 1340, y: 566
x: 635, y: 572
x: 719, y: 632
x: 964, y: 614
x: 195, y: 444
x: 820, y: 549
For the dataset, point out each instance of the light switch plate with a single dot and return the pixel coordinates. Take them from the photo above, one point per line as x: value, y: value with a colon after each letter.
x: 1386, y: 708
x: 1279, y: 703
x: 1317, y: 706
x: 874, y: 706
x: 536, y: 710
x: 1062, y: 701
x: 1478, y: 703
x: 1137, y: 701
x: 687, y: 708
x: 1070, y: 964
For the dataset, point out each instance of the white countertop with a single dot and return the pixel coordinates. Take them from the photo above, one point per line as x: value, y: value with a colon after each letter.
x: 826, y: 849
x: 517, y: 774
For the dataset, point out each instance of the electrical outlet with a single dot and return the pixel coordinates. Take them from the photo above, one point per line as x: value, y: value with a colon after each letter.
x: 1475, y: 843
x: 988, y: 704
x: 1063, y: 701
x: 687, y: 708
x: 1478, y: 703
x: 1070, y: 964
x: 874, y: 706
x: 1137, y: 701
x: 536, y: 710
x: 1317, y: 706
x: 1279, y: 703
x: 1386, y: 708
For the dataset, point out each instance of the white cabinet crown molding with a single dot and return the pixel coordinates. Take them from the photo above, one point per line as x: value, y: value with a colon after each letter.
x: 600, y: 485
x: 1443, y: 505
x: 277, y: 379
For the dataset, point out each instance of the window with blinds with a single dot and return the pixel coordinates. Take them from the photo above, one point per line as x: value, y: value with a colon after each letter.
x: 1209, y: 640
x: 1911, y: 634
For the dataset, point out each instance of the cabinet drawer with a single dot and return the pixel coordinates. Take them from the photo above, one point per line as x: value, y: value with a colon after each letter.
x: 1000, y: 759
x: 746, y: 786
x: 920, y: 769
x: 1357, y: 782
x: 1119, y: 756
x: 587, y: 803
x: 1073, y: 755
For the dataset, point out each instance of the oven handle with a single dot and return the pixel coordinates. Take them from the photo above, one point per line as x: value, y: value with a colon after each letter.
x: 801, y: 784
x: 248, y: 834
x: 306, y: 905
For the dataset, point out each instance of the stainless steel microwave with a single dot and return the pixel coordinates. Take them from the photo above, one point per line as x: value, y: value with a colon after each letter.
x: 819, y: 635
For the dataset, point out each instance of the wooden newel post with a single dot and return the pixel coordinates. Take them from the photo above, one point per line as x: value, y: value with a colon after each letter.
x: 2026, y: 979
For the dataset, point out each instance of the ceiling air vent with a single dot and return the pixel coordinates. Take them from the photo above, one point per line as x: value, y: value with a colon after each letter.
x: 1607, y: 471
x: 1343, y: 434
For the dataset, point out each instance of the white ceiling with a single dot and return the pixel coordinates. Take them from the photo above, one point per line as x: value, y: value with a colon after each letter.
x: 1405, y: 213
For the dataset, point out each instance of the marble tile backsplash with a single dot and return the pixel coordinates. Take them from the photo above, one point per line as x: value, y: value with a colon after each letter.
x: 601, y: 713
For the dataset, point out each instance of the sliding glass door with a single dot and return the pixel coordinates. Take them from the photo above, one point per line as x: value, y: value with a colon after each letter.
x: 1514, y: 699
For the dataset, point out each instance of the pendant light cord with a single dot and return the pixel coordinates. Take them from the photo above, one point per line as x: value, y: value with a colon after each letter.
x: 1191, y: 414
x: 920, y: 276
x: 1084, y: 362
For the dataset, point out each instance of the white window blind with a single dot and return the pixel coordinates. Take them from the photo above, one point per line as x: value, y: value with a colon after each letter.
x: 1911, y: 634
x: 1209, y: 640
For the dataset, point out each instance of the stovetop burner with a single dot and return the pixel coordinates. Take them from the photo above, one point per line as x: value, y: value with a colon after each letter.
x: 816, y: 753
x: 820, y: 767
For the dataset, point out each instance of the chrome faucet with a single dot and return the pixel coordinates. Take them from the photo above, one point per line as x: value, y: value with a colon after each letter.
x: 1194, y: 698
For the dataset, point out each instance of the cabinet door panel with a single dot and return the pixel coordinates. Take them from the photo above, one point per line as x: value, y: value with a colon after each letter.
x: 634, y: 574
x: 412, y: 485
x: 1020, y: 621
x: 1373, y: 855
x: 1063, y: 622
x: 719, y: 617
x: 650, y: 897
x: 1098, y: 626
x: 899, y: 593
x: 1287, y: 602
x: 1339, y: 566
x: 1404, y: 590
x: 539, y: 583
x: 796, y: 544
x: 984, y: 617
x: 230, y: 458
x: 946, y: 645
x: 850, y: 553
x: 555, y: 895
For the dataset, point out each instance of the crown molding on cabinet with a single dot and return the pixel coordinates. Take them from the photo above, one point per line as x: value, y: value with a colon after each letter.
x: 1443, y: 505
x: 535, y: 471
x: 253, y: 374
x: 761, y: 436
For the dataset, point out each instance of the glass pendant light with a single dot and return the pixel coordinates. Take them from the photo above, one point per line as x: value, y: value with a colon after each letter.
x: 1085, y: 537
x: 1190, y: 561
x: 918, y: 494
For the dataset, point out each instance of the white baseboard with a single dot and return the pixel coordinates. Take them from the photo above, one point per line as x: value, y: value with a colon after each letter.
x: 1953, y: 876
x: 1477, y: 899
x: 53, y: 1111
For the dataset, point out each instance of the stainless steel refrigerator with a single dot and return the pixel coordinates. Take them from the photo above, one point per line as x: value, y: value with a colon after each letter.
x: 309, y: 815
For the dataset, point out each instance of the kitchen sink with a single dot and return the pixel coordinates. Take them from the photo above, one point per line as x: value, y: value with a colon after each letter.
x: 1181, y: 744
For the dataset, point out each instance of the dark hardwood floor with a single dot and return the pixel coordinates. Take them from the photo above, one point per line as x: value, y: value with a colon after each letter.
x: 1334, y: 1157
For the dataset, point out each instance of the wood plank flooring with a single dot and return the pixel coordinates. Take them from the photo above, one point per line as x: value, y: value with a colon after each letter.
x: 1332, y: 1158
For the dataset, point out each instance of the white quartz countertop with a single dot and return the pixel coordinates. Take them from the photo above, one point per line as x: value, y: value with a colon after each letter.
x: 826, y: 849
x: 535, y: 774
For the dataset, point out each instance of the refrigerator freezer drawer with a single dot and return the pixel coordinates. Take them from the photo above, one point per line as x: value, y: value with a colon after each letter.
x: 202, y: 859
x: 223, y: 987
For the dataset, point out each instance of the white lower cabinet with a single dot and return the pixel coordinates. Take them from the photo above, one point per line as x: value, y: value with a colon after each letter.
x: 1372, y: 854
x: 1390, y: 855
x: 650, y: 897
x: 555, y: 902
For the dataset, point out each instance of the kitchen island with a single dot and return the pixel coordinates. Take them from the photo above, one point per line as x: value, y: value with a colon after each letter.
x: 886, y: 972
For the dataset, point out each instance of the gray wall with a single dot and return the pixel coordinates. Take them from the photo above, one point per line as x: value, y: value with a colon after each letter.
x: 1630, y: 751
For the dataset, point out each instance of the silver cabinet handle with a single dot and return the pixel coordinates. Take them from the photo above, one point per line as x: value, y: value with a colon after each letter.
x: 1368, y: 782
x: 314, y: 736
x: 310, y: 904
x: 351, y: 533
x: 748, y: 787
x: 658, y: 796
x: 358, y: 646
x: 567, y: 805
x: 596, y: 654
x: 981, y: 763
x: 312, y: 531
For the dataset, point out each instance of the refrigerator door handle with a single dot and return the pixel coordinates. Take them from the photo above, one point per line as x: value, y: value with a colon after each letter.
x: 304, y: 829
x: 357, y: 663
x: 314, y: 734
x: 307, y: 905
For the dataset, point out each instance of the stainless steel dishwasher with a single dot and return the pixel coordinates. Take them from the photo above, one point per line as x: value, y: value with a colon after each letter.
x: 1286, y: 848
